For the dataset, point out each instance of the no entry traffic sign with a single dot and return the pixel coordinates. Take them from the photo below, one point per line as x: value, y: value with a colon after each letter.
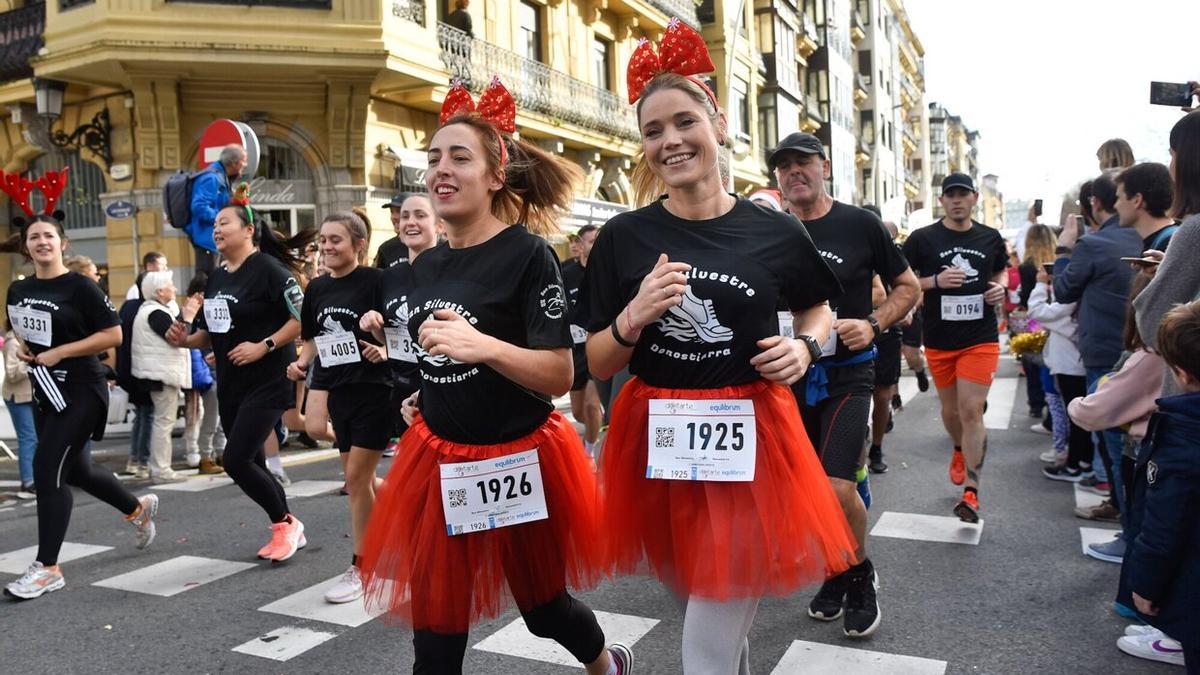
x: 228, y: 132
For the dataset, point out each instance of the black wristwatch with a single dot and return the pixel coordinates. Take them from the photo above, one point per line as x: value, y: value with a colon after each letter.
x: 270, y: 345
x: 874, y: 325
x: 814, y: 347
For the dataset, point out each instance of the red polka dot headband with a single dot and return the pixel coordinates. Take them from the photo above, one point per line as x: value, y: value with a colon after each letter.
x: 682, y: 51
x: 496, y: 107
x: 18, y: 189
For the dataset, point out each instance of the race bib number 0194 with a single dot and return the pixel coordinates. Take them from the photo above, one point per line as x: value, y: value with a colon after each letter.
x: 399, y: 344
x: 336, y: 349
x: 216, y: 315
x: 709, y: 440
x: 492, y: 493
x: 33, y: 325
x: 962, y: 307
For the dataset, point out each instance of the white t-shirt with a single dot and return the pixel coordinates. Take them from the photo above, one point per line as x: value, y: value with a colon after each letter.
x: 132, y: 293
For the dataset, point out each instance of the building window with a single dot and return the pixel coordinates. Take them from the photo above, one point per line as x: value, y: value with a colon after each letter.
x: 768, y: 121
x: 601, y: 63
x: 80, y: 200
x: 529, y: 27
x: 864, y: 65
x: 740, y: 106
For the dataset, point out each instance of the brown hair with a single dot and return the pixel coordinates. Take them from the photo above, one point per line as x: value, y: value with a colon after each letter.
x: 538, y: 186
x: 1185, y: 141
x: 1130, y: 337
x: 1115, y: 153
x: 1179, y: 338
x: 648, y: 187
x: 1040, y: 244
x: 356, y: 224
x: 16, y: 243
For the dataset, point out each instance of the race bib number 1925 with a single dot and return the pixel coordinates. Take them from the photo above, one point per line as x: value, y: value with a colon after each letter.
x: 709, y: 440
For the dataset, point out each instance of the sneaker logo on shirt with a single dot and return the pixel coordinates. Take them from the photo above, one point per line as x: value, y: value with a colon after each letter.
x: 1151, y: 472
x: 694, y: 320
x: 965, y: 265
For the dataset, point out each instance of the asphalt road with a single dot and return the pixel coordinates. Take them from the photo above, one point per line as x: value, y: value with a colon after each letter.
x: 1024, y: 599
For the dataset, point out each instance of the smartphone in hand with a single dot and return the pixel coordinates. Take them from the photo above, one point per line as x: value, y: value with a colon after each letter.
x: 1141, y: 262
x: 1048, y: 268
x: 1174, y: 94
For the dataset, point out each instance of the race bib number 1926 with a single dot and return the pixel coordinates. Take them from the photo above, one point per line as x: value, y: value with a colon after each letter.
x: 710, y: 440
x: 492, y: 493
x: 33, y: 325
x: 962, y: 307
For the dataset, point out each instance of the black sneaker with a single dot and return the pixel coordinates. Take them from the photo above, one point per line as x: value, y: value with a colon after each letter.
x: 1063, y: 473
x: 922, y: 381
x: 862, y: 606
x: 877, y: 465
x: 827, y: 604
x: 307, y: 441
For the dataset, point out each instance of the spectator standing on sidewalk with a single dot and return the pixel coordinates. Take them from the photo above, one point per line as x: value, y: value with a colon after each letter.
x: 169, y: 368
x: 151, y: 262
x: 138, y: 464
x: 210, y: 194
x: 18, y: 399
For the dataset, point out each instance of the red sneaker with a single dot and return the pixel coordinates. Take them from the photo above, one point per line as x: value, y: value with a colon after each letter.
x: 968, y: 509
x: 958, y: 468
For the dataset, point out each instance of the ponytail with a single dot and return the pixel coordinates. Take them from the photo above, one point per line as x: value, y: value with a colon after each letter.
x: 290, y: 252
x: 365, y: 235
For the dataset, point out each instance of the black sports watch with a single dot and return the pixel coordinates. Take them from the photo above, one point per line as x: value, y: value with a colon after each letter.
x: 270, y: 345
x: 874, y: 325
x: 814, y: 347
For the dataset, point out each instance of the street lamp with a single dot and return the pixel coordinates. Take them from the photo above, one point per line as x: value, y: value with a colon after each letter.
x: 94, y: 135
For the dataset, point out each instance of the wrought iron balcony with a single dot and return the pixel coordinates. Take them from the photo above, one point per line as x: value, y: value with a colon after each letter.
x: 410, y: 10
x: 20, y: 39
x: 684, y: 9
x: 536, y: 86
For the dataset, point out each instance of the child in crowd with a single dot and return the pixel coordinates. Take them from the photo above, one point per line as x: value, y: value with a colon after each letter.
x: 1162, y: 564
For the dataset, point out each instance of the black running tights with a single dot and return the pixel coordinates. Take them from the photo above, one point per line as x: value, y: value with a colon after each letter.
x: 1079, y: 443
x: 245, y: 460
x: 564, y: 619
x: 63, y: 459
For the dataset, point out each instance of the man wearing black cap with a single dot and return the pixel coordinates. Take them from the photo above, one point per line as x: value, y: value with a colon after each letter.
x: 393, y: 250
x: 962, y: 267
x: 835, y: 395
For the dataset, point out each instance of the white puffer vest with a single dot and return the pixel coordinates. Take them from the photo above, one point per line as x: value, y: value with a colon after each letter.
x: 152, y: 357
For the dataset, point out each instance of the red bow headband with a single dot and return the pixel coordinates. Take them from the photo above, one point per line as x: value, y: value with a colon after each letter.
x: 496, y: 106
x: 18, y: 189
x: 682, y: 51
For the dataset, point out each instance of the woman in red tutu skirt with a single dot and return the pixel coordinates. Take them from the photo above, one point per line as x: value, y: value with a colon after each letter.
x: 491, y: 495
x: 710, y: 482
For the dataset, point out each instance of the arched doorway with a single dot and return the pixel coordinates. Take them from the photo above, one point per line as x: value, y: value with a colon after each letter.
x: 283, y: 190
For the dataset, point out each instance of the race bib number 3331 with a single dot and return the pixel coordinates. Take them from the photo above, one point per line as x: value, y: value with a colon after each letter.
x: 492, y: 493
x: 709, y: 440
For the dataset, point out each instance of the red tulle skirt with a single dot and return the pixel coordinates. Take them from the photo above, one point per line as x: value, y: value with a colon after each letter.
x: 426, y: 578
x: 723, y: 540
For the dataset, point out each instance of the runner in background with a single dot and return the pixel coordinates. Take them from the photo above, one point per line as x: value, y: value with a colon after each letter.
x: 585, y: 398
x: 963, y: 269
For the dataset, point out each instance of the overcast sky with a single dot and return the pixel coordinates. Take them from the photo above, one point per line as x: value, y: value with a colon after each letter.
x: 1047, y: 81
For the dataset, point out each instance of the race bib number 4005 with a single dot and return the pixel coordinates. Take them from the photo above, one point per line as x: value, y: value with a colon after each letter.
x: 962, y: 307
x: 492, y: 493
x: 33, y: 325
x: 336, y: 349
x: 710, y: 440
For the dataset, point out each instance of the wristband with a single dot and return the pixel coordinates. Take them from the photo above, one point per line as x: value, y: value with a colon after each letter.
x: 617, y: 336
x: 935, y: 284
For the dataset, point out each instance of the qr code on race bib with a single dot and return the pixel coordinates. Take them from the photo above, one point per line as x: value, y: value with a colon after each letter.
x: 664, y: 437
x: 458, y: 497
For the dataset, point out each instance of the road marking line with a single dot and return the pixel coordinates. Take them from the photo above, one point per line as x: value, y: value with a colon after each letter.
x: 296, y: 459
x: 1001, y: 400
x: 923, y: 527
x: 174, y: 576
x: 283, y: 644
x: 515, y: 640
x: 16, y: 562
x: 1095, y: 535
x: 310, y: 604
x: 908, y: 389
x: 1085, y: 499
x: 196, y: 484
x: 311, y: 488
x: 813, y: 657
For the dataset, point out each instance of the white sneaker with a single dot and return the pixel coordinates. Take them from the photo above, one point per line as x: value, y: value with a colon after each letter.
x: 37, y: 581
x: 142, y: 471
x: 193, y: 459
x: 1039, y: 429
x: 1052, y: 456
x: 347, y: 589
x: 144, y: 523
x: 281, y: 477
x: 1141, y: 629
x: 1152, y: 647
x: 168, y: 476
x: 27, y: 492
x: 131, y: 468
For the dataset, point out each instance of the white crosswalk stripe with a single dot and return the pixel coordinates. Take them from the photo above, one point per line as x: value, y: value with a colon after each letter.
x: 1001, y: 401
x: 174, y: 576
x: 921, y: 527
x: 1095, y: 535
x: 1085, y: 499
x: 310, y: 604
x: 283, y: 644
x: 516, y: 640
x: 814, y: 657
x: 311, y: 488
x: 16, y: 562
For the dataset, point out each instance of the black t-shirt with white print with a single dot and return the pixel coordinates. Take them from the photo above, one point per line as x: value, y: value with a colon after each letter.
x: 957, y: 318
x: 856, y: 247
x: 396, y: 283
x: 508, y: 287
x: 48, y: 313
x: 249, y: 305
x: 746, y: 265
x: 329, y: 317
x: 391, y: 253
x: 572, y: 274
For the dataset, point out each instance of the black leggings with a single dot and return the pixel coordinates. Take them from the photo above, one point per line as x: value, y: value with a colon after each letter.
x: 245, y: 461
x: 1079, y: 443
x: 63, y: 459
x: 837, y: 428
x: 564, y: 619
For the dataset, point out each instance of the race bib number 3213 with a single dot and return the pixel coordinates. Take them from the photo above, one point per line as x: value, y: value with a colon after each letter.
x: 492, y: 493
x: 709, y: 440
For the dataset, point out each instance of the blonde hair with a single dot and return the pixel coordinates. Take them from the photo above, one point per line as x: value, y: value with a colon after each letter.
x: 1040, y: 244
x: 78, y: 263
x: 647, y: 186
x: 1115, y: 153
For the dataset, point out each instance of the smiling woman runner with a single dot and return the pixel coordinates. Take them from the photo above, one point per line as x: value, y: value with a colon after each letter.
x: 708, y: 475
x: 491, y: 494
x: 63, y: 321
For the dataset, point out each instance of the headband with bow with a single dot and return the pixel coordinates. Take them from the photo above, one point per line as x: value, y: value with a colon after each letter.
x: 496, y: 106
x: 18, y: 189
x: 241, y: 197
x: 682, y: 51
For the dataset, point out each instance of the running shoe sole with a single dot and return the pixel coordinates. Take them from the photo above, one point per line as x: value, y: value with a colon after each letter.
x: 302, y: 544
x: 1093, y: 553
x: 150, y: 509
x: 869, y: 630
x: 48, y: 588
x: 343, y: 599
x: 822, y: 617
x: 1064, y: 477
x: 966, y: 514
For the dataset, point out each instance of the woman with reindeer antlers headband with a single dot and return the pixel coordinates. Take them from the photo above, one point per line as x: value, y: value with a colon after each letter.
x: 709, y: 479
x: 491, y: 494
x: 63, y: 321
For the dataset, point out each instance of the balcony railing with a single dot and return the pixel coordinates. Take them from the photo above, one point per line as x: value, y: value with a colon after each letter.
x: 684, y: 9
x: 536, y: 86
x: 20, y: 39
x: 410, y: 10
x: 295, y: 4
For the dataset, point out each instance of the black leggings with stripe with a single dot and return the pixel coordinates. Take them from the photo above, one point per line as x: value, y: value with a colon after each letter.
x: 63, y: 459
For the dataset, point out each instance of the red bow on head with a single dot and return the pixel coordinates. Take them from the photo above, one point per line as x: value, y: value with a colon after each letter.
x: 18, y: 189
x: 496, y: 105
x: 682, y: 51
